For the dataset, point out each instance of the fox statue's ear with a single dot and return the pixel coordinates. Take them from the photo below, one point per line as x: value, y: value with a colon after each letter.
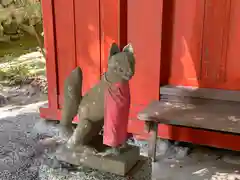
x: 128, y: 48
x: 114, y: 50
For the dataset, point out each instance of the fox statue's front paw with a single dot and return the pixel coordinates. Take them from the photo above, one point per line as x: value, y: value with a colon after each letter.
x: 71, y: 143
x: 115, y: 151
x: 64, y: 133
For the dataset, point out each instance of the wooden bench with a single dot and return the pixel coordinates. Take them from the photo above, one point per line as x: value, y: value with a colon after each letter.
x: 193, y: 112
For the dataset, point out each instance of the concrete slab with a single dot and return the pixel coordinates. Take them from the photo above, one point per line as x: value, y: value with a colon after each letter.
x: 207, y: 165
x: 142, y: 171
x: 119, y: 165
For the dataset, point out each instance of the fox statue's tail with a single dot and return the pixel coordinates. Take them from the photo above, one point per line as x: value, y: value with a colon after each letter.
x: 72, y: 96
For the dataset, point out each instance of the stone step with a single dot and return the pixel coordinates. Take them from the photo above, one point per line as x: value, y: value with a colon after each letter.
x: 119, y: 165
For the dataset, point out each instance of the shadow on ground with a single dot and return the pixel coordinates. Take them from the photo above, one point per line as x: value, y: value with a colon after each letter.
x: 19, y: 150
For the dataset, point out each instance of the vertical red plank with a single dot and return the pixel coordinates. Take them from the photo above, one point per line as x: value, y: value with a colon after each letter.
x: 49, y: 43
x: 233, y: 58
x: 88, y: 40
x: 65, y: 41
x: 167, y: 40
x: 188, y: 16
x: 109, y: 28
x: 215, y: 39
x: 144, y: 32
x: 123, y: 23
x: 113, y: 17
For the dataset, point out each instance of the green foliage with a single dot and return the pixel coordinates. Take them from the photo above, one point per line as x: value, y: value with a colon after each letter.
x: 13, y: 69
x: 16, y: 70
x: 32, y: 9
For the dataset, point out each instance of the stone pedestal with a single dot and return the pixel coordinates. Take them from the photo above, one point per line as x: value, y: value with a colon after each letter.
x: 83, y: 156
x: 141, y: 171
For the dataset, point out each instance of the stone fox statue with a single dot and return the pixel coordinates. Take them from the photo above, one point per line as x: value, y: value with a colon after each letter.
x: 90, y: 107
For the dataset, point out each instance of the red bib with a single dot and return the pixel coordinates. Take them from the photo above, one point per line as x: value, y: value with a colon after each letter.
x: 116, y: 113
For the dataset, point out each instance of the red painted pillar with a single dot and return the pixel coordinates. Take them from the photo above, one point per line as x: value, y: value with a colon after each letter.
x: 59, y: 40
x: 144, y: 32
x: 51, y: 65
x: 113, y: 18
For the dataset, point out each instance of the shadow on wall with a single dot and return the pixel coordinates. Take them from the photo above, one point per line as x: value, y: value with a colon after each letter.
x: 191, y: 52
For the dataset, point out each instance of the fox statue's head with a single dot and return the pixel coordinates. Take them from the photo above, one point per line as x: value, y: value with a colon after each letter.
x: 121, y: 64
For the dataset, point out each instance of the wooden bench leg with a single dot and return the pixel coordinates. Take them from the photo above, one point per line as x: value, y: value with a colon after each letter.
x: 152, y: 142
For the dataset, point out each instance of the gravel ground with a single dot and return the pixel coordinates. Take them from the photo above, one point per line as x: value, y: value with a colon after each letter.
x: 23, y: 158
x: 21, y: 155
x: 19, y: 151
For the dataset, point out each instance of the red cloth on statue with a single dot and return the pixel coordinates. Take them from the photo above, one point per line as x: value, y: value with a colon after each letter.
x: 116, y: 112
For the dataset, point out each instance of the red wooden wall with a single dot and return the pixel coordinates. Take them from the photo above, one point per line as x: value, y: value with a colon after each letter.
x: 187, y: 42
x: 144, y: 32
x: 81, y: 36
x: 204, y: 44
x: 200, y: 48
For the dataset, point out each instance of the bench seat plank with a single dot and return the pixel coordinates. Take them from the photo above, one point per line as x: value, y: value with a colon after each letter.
x: 197, y: 113
x: 204, y: 93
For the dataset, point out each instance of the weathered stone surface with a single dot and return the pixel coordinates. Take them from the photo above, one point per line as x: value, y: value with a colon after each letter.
x: 232, y: 159
x: 119, y: 165
x: 1, y: 30
x: 90, y: 107
x: 3, y: 100
x: 10, y: 27
x: 6, y: 2
x: 5, y: 13
x: 14, y: 13
x: 29, y: 29
x: 5, y: 39
x: 15, y: 37
x: 142, y: 171
x: 19, y: 15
